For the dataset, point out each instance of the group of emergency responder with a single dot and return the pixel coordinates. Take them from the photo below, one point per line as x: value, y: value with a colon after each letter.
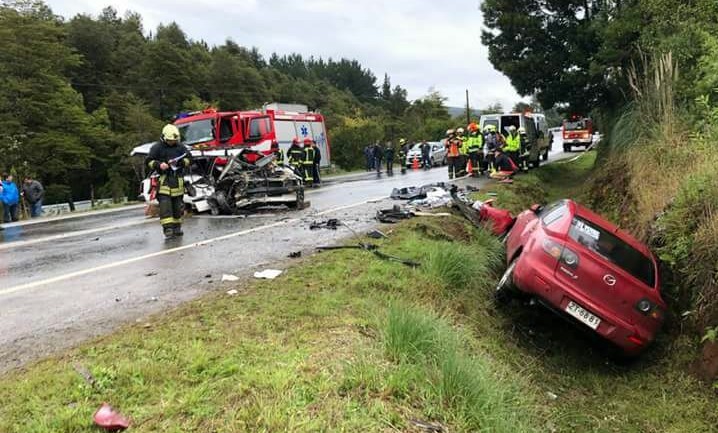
x: 304, y: 160
x: 487, y: 152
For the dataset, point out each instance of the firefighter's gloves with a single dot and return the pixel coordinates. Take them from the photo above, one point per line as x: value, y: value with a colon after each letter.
x: 164, y: 166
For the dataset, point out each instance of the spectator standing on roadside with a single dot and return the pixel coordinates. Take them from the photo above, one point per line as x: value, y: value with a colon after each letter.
x: 425, y: 155
x: 34, y: 193
x: 10, y: 198
x: 389, y: 154
x: 378, y: 153
x: 369, y: 156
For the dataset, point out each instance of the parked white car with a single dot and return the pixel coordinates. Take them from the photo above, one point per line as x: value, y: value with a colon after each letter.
x: 437, y: 154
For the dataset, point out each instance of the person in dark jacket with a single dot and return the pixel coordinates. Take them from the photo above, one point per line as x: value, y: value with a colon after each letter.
x: 403, y: 150
x: 317, y: 163
x: 10, y: 199
x: 369, y: 156
x: 389, y: 155
x: 278, y: 154
x: 504, y: 166
x: 169, y: 158
x: 33, y: 192
x: 426, y: 155
x: 378, y: 153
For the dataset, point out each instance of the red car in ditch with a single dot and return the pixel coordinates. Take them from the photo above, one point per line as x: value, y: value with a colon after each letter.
x: 586, y: 269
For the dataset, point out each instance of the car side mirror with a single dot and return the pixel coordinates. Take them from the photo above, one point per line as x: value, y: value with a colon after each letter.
x: 536, y: 208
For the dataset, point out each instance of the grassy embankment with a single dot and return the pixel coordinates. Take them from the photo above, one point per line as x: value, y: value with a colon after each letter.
x: 347, y: 343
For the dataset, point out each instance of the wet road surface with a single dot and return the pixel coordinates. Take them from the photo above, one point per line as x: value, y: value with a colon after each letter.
x: 67, y: 280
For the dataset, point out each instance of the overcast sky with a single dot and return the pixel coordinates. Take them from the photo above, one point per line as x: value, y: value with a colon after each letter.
x: 420, y: 43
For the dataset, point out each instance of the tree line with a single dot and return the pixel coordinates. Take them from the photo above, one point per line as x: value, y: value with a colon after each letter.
x: 76, y: 95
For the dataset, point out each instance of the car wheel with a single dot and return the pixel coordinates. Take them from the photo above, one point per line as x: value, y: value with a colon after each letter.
x: 505, y: 289
x: 566, y: 148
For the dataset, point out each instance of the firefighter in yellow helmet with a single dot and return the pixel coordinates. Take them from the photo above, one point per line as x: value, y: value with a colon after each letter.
x: 169, y: 158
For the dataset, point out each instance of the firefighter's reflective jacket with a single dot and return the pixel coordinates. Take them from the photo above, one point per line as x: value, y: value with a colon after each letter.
x: 171, y: 181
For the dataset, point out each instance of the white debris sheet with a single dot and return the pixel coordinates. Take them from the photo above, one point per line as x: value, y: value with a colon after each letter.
x: 268, y: 274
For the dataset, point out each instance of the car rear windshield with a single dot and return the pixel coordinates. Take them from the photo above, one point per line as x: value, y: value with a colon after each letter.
x: 614, y: 249
x: 575, y: 126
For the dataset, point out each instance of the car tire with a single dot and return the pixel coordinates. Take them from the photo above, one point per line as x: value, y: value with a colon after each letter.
x: 567, y: 148
x: 505, y: 290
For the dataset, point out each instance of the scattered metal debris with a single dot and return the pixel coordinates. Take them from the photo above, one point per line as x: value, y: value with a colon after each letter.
x: 331, y: 224
x: 428, y: 426
x: 295, y: 254
x: 393, y: 215
x: 377, y: 234
x: 374, y: 249
x: 408, y: 193
x: 483, y: 214
x: 85, y: 374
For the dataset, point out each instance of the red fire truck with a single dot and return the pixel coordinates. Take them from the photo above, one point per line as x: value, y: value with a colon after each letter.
x: 577, y: 131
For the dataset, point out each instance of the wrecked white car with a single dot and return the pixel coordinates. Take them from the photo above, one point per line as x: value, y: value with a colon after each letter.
x: 228, y: 181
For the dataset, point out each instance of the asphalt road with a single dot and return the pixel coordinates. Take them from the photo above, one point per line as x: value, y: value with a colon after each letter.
x: 66, y: 280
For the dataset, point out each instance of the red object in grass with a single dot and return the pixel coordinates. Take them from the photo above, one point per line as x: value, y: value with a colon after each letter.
x: 109, y: 419
x: 500, y: 220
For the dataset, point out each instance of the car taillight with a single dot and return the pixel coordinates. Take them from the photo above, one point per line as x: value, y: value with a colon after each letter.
x: 585, y: 135
x: 635, y: 339
x: 649, y: 309
x: 561, y: 253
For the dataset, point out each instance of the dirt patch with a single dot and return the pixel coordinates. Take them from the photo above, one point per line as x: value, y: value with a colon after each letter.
x: 706, y: 367
x: 451, y: 229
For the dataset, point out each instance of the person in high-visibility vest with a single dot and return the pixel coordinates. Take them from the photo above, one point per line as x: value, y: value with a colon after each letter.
x: 403, y: 150
x: 513, y: 144
x: 475, y: 149
x: 309, y: 155
x: 169, y: 158
x: 524, y: 151
x: 453, y: 155
x: 278, y: 154
x: 463, y: 153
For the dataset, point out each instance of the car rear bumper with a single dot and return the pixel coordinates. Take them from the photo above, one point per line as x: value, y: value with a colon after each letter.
x: 553, y: 293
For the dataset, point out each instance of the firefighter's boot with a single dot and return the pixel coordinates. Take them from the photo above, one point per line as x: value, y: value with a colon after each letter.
x: 177, y: 230
x: 168, y: 232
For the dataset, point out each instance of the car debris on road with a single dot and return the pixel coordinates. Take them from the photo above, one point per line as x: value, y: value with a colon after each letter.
x: 483, y: 213
x: 331, y: 224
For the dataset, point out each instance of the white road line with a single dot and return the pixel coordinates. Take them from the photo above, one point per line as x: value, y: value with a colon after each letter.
x: 70, y: 275
x: 18, y: 244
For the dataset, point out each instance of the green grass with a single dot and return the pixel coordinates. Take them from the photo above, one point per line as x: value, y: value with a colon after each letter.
x: 347, y: 342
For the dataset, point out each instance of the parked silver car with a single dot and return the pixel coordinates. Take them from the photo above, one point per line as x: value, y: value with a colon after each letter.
x: 437, y: 154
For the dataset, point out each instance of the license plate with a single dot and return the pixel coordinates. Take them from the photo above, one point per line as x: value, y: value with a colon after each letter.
x: 583, y: 315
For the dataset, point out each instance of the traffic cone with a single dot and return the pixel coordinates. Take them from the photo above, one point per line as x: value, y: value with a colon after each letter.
x: 470, y: 168
x: 415, y: 164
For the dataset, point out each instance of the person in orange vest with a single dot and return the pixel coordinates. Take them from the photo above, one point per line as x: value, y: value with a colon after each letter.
x: 453, y: 153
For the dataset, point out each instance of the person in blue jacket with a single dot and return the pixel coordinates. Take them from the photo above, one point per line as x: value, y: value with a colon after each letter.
x: 10, y: 198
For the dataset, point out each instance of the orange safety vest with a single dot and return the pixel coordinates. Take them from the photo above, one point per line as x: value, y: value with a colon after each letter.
x: 454, y: 145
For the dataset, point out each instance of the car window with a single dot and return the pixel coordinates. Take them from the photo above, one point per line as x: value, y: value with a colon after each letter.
x: 553, y: 213
x: 613, y: 249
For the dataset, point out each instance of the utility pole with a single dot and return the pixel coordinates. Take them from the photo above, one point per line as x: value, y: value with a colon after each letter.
x: 468, y: 110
